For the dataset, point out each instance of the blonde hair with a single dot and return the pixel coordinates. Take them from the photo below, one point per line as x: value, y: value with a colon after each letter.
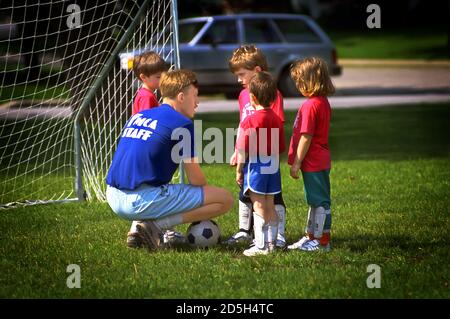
x: 148, y: 63
x: 264, y: 88
x: 176, y: 81
x: 247, y: 57
x: 311, y: 77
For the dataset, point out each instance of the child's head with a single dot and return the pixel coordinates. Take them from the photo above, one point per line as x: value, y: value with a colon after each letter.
x: 311, y: 77
x: 148, y: 68
x: 245, y: 62
x: 262, y: 89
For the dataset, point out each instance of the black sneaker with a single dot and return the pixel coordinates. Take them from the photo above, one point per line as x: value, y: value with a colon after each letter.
x: 134, y: 240
x: 151, y: 234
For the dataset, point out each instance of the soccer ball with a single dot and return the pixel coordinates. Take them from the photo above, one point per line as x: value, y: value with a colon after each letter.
x: 203, y: 234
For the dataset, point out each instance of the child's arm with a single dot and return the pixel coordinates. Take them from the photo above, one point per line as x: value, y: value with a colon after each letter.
x: 302, y: 149
x: 240, y: 174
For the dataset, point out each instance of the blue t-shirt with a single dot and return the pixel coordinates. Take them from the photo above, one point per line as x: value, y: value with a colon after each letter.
x: 150, y: 148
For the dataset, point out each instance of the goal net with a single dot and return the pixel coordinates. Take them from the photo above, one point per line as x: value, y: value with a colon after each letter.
x: 67, y: 90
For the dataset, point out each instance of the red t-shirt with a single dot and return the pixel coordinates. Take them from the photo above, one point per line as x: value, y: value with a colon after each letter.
x: 246, y: 108
x: 256, y: 128
x: 313, y: 118
x: 144, y: 100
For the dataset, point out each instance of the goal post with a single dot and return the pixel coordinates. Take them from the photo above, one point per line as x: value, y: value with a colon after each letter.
x: 64, y: 95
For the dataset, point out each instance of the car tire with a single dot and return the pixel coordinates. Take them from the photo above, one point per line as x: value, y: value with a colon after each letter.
x: 287, y: 85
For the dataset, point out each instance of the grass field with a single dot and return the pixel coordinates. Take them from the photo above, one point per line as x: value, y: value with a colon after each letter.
x: 389, y: 44
x: 390, y: 191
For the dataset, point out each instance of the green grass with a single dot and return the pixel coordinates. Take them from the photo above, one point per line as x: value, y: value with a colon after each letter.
x: 390, y: 185
x: 391, y: 44
x: 36, y: 92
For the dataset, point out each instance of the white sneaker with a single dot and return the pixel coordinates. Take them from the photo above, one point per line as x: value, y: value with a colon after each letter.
x: 299, y: 243
x: 172, y: 237
x: 313, y: 245
x: 281, y: 243
x: 255, y: 251
x: 238, y: 238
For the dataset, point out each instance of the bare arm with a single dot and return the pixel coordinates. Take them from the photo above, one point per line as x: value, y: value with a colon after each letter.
x: 194, y: 172
x: 302, y: 149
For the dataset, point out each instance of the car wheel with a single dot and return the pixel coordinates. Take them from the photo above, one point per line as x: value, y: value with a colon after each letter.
x: 287, y: 85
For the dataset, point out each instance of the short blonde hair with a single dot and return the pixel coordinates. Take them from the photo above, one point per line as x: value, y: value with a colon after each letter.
x: 311, y: 77
x: 247, y: 57
x: 264, y: 88
x: 176, y: 81
x: 148, y: 63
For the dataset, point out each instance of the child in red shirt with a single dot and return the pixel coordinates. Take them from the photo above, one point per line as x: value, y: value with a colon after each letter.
x: 309, y: 151
x: 259, y: 144
x: 245, y: 62
x: 148, y: 68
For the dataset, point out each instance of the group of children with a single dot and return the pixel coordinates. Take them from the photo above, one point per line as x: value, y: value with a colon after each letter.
x: 260, y: 141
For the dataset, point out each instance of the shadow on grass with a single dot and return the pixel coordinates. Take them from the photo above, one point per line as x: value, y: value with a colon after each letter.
x: 362, y: 243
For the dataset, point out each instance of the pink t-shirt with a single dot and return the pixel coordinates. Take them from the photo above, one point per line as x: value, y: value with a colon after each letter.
x: 313, y: 118
x: 246, y: 108
x: 144, y: 100
x: 252, y: 125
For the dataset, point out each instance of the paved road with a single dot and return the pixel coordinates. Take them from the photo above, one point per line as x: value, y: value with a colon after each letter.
x: 357, y: 87
x: 210, y: 106
x: 393, y: 80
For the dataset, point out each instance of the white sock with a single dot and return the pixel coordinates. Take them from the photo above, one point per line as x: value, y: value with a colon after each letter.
x: 310, y: 221
x: 169, y: 221
x: 319, y: 221
x: 281, y: 213
x: 133, y: 228
x: 260, y: 230
x: 245, y: 215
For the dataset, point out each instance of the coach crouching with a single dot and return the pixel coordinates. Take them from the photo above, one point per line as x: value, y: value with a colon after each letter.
x: 150, y: 149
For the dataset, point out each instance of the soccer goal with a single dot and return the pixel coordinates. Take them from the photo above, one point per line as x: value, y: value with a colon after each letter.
x: 64, y: 95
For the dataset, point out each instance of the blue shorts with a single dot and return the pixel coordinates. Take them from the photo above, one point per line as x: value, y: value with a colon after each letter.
x: 262, y: 176
x: 150, y: 202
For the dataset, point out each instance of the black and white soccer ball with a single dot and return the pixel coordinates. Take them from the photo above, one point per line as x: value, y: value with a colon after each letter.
x: 203, y: 234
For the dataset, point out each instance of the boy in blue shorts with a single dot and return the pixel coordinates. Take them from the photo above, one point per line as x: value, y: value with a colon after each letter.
x: 150, y: 149
x: 260, y: 142
x: 245, y: 62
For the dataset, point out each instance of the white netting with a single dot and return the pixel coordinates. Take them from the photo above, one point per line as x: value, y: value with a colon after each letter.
x: 51, y: 54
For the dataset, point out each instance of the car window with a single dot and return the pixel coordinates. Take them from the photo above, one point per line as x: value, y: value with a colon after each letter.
x: 259, y: 31
x: 296, y: 30
x: 221, y: 32
x: 187, y: 31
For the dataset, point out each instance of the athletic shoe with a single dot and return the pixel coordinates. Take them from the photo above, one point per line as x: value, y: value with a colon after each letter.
x: 151, y: 234
x: 313, y: 245
x: 134, y: 240
x: 281, y: 243
x: 172, y: 237
x: 255, y: 251
x: 238, y: 238
x: 299, y: 243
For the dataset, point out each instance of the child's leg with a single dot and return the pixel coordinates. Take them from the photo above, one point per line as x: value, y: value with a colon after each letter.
x: 273, y: 221
x: 265, y: 224
x: 317, y: 189
x: 243, y: 235
x: 245, y: 213
x: 280, y: 209
x: 310, y: 222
